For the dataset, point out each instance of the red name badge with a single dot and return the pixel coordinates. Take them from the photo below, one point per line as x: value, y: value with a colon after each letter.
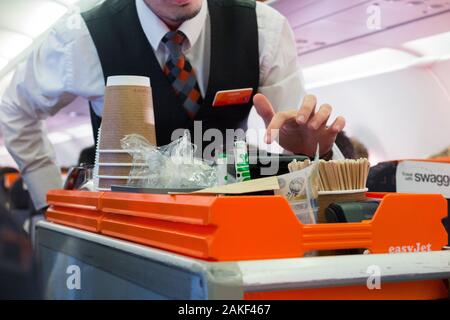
x: 232, y: 97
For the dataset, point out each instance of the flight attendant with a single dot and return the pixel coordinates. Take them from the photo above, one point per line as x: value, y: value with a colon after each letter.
x: 190, y: 49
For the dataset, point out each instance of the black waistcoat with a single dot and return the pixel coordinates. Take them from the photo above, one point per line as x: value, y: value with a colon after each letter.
x: 124, y: 49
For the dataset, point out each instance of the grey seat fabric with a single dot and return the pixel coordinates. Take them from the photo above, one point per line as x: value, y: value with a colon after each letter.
x: 19, y: 198
x: 20, y: 204
x: 19, y: 278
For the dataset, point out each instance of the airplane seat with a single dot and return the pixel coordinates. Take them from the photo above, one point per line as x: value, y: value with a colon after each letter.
x: 19, y: 197
x: 21, y: 206
x: 4, y: 191
x: 19, y: 274
x: 382, y: 177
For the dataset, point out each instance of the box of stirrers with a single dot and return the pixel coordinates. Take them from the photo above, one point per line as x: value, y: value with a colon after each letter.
x: 339, y: 181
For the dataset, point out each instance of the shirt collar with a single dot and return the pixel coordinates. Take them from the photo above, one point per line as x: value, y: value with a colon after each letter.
x: 155, y: 29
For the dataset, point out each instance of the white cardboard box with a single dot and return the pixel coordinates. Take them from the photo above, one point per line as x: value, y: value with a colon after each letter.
x: 423, y: 177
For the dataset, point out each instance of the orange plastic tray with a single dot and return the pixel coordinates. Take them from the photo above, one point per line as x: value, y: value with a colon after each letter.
x: 248, y: 228
x: 76, y: 209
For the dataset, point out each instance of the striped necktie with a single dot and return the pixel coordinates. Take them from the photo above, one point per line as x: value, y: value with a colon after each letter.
x: 180, y: 74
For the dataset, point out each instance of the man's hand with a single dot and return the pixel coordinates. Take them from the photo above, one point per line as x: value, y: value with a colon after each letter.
x: 300, y: 130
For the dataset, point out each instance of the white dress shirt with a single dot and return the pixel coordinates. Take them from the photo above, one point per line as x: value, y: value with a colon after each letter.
x: 66, y: 65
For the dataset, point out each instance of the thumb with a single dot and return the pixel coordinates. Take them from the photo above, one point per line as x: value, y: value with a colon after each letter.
x: 263, y: 108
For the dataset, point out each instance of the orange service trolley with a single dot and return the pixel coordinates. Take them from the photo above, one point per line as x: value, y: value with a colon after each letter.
x: 259, y: 240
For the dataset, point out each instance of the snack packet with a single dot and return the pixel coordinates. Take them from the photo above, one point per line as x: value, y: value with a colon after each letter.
x: 301, y: 189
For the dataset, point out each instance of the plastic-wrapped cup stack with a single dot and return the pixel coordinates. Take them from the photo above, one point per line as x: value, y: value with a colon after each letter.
x: 128, y: 109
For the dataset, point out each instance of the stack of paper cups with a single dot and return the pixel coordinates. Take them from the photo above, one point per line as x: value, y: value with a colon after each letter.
x: 128, y: 109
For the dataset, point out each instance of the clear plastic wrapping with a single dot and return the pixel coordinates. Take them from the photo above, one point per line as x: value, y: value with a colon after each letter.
x: 171, y: 166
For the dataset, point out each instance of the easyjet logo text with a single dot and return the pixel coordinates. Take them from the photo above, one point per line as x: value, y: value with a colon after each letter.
x: 418, y: 247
